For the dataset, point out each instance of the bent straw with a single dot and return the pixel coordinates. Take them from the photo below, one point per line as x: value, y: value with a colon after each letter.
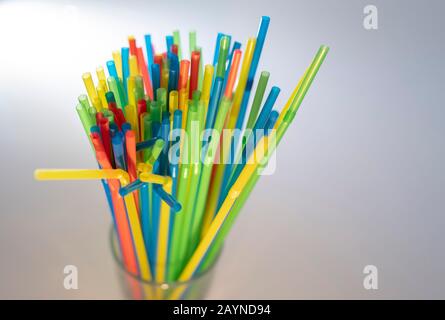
x: 109, y: 174
x: 251, y: 169
x: 292, y: 104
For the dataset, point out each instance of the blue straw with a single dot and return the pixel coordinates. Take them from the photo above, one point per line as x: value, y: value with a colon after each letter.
x: 145, y: 219
x: 215, y: 55
x: 149, y: 50
x: 112, y: 69
x: 156, y: 79
x: 169, y: 199
x: 169, y: 42
x: 145, y: 144
x: 229, y: 177
x: 125, y: 53
x: 118, y: 151
x: 163, y: 157
x: 273, y: 117
x: 214, y: 102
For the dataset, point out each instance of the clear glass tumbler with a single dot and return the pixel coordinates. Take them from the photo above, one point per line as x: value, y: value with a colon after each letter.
x: 134, y: 287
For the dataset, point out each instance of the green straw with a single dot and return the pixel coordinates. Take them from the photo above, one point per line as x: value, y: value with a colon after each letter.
x: 207, y: 171
x: 185, y: 168
x: 259, y: 94
x: 195, y: 174
x: 114, y: 87
x: 289, y: 116
x: 177, y: 41
x: 192, y: 42
x: 222, y: 57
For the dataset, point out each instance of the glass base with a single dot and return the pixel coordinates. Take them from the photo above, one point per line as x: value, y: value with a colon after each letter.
x: 133, y: 287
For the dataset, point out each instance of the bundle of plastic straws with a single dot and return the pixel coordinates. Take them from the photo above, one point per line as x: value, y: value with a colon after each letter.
x: 179, y: 148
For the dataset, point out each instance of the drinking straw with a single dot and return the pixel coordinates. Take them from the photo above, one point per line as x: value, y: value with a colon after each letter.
x: 145, y: 74
x: 105, y: 134
x: 125, y: 68
x: 200, y: 68
x: 101, y: 94
x: 195, y: 173
x: 177, y: 42
x: 111, y: 175
x: 251, y: 138
x: 290, y: 108
x: 192, y: 42
x: 164, y: 77
x: 156, y: 202
x: 161, y: 259
x: 207, y: 83
x: 194, y: 72
x: 163, y: 159
x: 133, y: 64
x: 273, y: 117
x: 112, y: 83
x: 242, y: 82
x: 156, y: 78
x: 89, y: 85
x: 185, y: 171
x: 118, y: 62
x: 183, y: 74
x: 222, y: 56
x: 173, y: 101
x: 102, y: 78
x: 149, y: 50
x: 130, y: 145
x: 132, y: 45
x: 175, y: 138
x: 210, y: 152
x: 217, y: 45
x: 259, y: 94
x: 118, y: 151
x: 213, y: 103
x: 232, y: 74
x: 124, y: 231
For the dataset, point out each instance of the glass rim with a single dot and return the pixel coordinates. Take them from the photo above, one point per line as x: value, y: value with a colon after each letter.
x: 117, y: 258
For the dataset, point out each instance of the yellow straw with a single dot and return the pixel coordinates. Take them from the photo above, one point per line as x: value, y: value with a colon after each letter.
x: 133, y: 62
x: 101, y: 94
x: 97, y: 174
x: 118, y: 62
x: 102, y: 78
x: 92, y: 94
x: 164, y: 223
x: 173, y: 101
x: 207, y: 82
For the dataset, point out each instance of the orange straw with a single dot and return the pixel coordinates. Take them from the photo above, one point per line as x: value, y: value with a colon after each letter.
x: 232, y: 74
x: 145, y: 74
x: 130, y: 143
x: 123, y: 228
x: 183, y: 74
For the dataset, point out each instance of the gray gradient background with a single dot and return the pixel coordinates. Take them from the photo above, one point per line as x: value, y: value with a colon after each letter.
x: 360, y: 176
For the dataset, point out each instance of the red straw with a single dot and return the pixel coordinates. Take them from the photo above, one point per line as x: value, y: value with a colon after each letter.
x: 175, y: 49
x: 194, y: 73
x: 104, y: 127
